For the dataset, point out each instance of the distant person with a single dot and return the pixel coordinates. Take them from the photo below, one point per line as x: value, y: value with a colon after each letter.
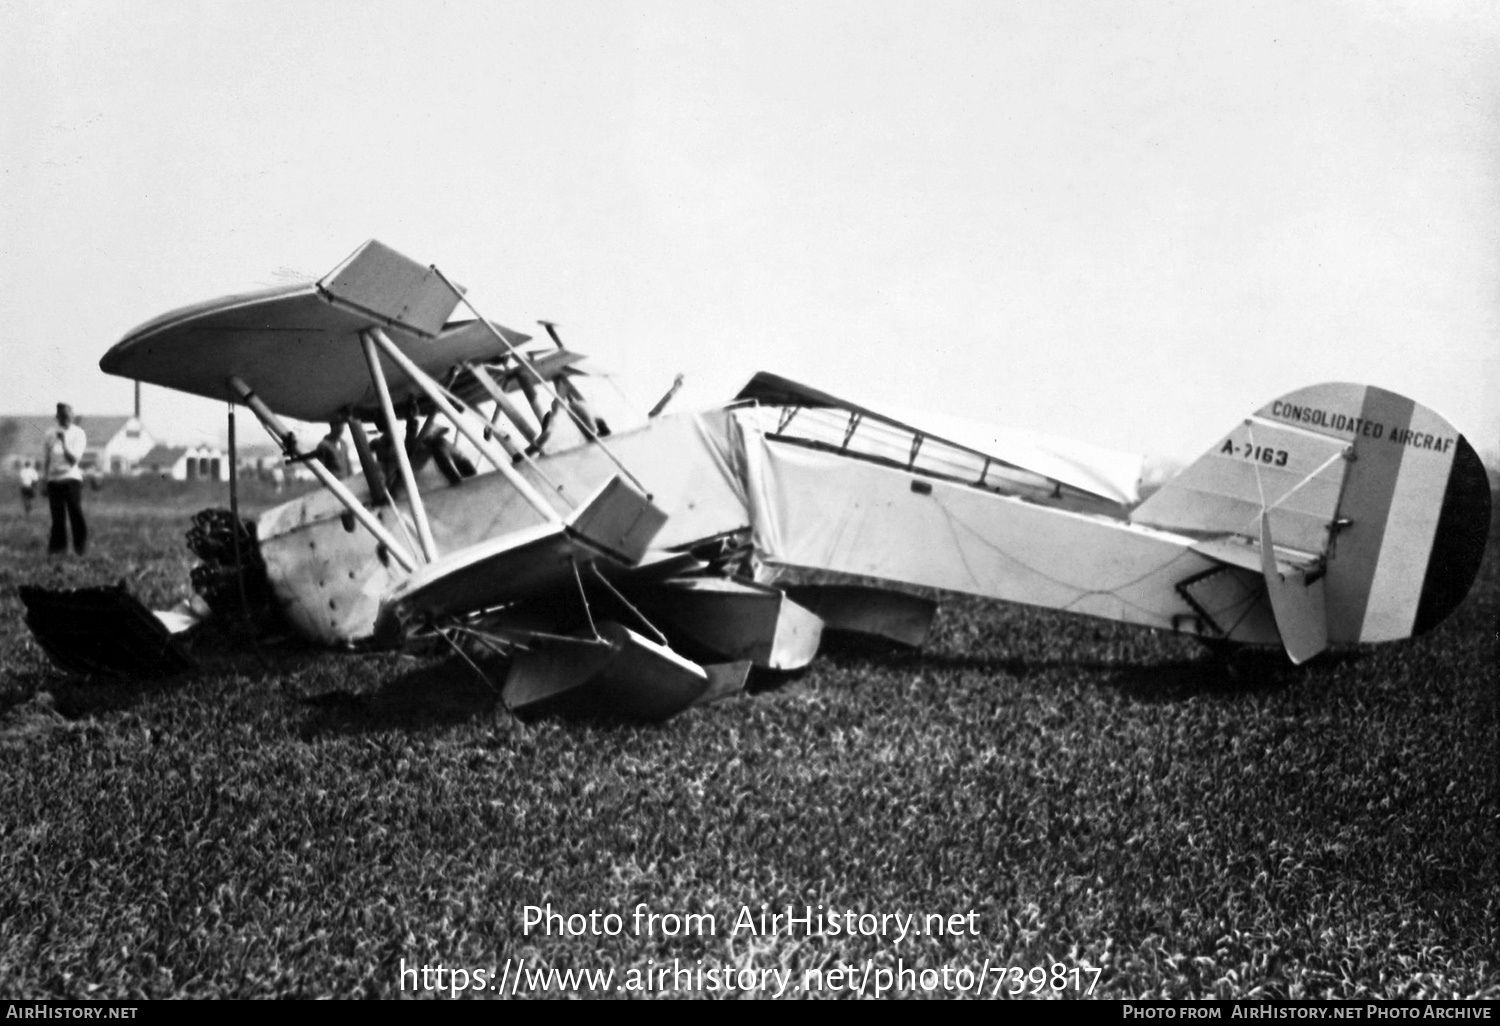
x: 28, y: 478
x: 383, y: 448
x: 331, y: 452
x: 417, y: 452
x: 62, y: 466
x: 453, y: 465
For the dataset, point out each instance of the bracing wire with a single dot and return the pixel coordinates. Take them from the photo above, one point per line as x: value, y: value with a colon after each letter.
x: 442, y: 633
x: 660, y: 637
x: 583, y: 596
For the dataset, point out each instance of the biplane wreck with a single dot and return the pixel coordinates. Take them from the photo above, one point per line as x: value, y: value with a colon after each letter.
x: 637, y: 572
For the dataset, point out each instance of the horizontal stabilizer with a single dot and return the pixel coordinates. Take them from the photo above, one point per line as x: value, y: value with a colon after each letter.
x: 1245, y: 554
x: 1260, y: 464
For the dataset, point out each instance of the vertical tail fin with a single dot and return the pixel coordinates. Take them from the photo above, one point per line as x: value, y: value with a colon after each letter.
x: 1376, y: 498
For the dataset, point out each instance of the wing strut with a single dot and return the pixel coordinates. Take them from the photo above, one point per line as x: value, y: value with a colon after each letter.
x: 393, y: 440
x: 325, y: 476
x: 503, y: 402
x: 526, y: 363
x: 476, y: 438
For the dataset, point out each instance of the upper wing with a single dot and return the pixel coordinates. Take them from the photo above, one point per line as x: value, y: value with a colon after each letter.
x: 299, y: 345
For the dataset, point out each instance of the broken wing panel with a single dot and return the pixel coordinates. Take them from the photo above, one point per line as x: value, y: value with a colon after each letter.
x: 377, y: 280
x: 618, y: 674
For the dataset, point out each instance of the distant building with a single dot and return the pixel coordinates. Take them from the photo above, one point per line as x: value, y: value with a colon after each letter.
x: 116, y: 443
x: 125, y: 447
x: 185, y: 463
x: 259, y: 459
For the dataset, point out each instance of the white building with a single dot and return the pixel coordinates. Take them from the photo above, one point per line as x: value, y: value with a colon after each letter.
x: 190, y: 463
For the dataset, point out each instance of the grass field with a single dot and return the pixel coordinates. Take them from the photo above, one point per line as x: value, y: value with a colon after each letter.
x: 285, y: 821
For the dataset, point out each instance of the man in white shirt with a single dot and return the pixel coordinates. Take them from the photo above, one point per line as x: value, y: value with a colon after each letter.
x: 28, y: 478
x: 62, y: 467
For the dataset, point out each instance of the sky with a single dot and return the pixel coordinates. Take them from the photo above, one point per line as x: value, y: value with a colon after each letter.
x: 1129, y: 222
